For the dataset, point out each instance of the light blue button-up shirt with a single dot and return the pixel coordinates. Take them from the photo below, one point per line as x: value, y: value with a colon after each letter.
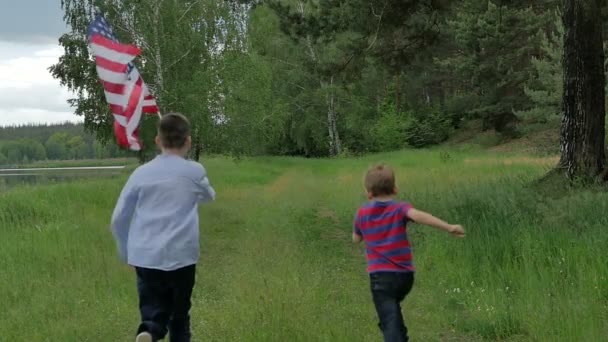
x: 155, y: 222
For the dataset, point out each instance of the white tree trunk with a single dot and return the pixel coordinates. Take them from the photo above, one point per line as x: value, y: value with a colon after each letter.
x: 335, y: 145
x: 157, y: 55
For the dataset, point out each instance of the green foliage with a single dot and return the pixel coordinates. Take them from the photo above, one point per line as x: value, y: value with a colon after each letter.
x: 545, y: 88
x: 53, y: 142
x: 388, y: 131
x: 429, y: 126
x: 32, y: 149
x: 416, y: 128
x: 57, y: 146
x: 494, y: 42
x: 311, y: 78
x: 178, y: 39
x: 21, y: 151
x: 252, y: 120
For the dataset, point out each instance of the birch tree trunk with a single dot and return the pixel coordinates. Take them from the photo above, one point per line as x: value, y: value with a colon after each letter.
x: 335, y: 145
x: 159, y: 80
x: 583, y: 103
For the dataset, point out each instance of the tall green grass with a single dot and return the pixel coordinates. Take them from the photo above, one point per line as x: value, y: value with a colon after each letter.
x: 277, y: 264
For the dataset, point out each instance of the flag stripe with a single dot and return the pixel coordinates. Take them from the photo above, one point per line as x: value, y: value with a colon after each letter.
x: 150, y: 109
x: 112, y: 55
x: 150, y: 102
x: 116, y: 88
x: 110, y: 76
x: 115, y: 99
x: 120, y: 119
x: 125, y: 91
x: 122, y: 49
x: 116, y: 109
x: 134, y: 99
x: 110, y: 64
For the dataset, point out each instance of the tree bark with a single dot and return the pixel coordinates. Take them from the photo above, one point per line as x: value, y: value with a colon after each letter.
x: 197, y: 144
x: 583, y: 103
x: 398, y: 92
x: 335, y: 145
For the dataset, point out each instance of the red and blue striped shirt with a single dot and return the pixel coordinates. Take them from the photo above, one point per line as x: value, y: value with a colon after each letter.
x: 383, y: 226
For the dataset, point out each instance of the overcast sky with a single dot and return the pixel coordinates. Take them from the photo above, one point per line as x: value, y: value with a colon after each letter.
x: 29, y: 33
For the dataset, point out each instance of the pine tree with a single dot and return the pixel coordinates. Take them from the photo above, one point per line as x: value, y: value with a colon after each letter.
x: 494, y: 46
x: 545, y: 88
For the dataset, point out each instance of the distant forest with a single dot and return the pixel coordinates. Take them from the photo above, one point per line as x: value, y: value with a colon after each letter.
x: 30, y: 143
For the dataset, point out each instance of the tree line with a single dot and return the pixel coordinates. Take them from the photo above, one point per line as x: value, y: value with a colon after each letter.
x: 51, y: 142
x: 323, y: 78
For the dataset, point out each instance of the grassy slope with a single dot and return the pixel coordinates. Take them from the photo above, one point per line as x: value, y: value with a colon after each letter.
x: 536, y: 138
x: 277, y: 264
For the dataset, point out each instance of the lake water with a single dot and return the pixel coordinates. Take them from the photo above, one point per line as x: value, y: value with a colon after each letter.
x: 10, y: 178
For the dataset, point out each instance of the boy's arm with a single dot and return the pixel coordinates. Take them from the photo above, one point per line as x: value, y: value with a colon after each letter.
x: 421, y: 217
x: 205, y: 191
x: 357, y: 236
x: 121, y: 218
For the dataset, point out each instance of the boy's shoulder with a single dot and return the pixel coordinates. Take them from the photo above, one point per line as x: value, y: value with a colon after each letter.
x: 179, y: 167
x: 389, y: 204
x: 197, y: 169
x: 372, y: 206
x: 192, y: 169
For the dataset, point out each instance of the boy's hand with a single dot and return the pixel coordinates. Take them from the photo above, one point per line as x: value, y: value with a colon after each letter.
x: 457, y: 230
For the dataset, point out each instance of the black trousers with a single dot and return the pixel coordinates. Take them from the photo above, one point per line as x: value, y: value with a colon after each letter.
x: 388, y: 290
x: 164, y: 302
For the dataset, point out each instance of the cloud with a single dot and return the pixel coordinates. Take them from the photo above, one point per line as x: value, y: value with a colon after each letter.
x: 35, y: 116
x: 31, y: 21
x: 28, y: 93
x: 42, y: 97
x: 28, y: 70
x: 29, y: 31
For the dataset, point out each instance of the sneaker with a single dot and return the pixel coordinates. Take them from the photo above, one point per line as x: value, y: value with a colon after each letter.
x: 144, y: 337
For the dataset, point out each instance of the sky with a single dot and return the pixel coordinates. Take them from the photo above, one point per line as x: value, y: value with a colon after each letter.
x: 29, y: 33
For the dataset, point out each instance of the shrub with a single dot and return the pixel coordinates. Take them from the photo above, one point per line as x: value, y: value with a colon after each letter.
x: 428, y: 127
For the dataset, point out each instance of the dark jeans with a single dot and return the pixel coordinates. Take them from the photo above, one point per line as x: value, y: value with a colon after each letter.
x: 164, y: 302
x: 388, y: 290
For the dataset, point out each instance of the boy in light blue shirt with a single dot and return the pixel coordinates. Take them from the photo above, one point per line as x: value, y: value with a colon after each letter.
x: 156, y: 226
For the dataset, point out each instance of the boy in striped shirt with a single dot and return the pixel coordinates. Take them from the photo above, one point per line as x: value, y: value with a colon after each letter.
x: 382, y: 224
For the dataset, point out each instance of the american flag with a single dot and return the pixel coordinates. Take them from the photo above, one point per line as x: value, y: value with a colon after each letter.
x: 125, y: 90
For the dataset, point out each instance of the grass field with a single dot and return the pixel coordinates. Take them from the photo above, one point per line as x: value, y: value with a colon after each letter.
x: 277, y: 263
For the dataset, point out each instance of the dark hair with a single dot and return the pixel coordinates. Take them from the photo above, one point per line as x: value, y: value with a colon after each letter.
x: 173, y: 130
x: 380, y: 180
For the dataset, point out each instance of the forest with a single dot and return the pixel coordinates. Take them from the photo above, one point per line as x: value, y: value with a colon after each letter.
x: 325, y: 78
x: 21, y: 145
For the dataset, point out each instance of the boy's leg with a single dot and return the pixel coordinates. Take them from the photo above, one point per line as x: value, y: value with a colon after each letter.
x: 388, y: 290
x: 405, y: 283
x: 154, y: 302
x: 182, y: 284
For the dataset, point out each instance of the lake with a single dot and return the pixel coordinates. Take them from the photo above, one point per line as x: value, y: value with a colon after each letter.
x: 10, y: 178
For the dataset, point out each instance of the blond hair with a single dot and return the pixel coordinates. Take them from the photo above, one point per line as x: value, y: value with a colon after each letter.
x: 380, y: 180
